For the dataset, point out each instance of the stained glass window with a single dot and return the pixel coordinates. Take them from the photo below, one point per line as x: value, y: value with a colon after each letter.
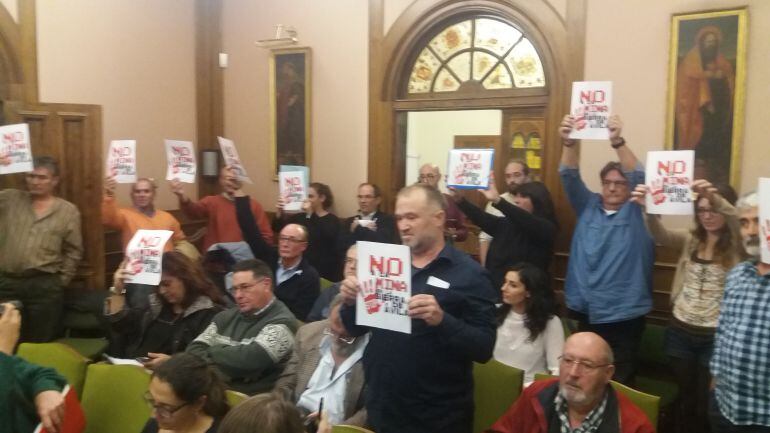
x: 481, y: 50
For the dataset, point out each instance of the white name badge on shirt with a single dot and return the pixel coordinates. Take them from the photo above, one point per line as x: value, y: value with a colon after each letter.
x: 437, y: 282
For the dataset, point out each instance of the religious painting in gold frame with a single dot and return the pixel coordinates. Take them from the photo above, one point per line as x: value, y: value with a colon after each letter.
x: 707, y: 90
x: 290, y: 83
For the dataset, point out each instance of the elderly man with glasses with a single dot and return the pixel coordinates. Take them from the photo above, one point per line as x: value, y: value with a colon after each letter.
x: 250, y: 343
x: 609, y: 276
x: 326, y: 364
x: 580, y: 401
x: 297, y: 282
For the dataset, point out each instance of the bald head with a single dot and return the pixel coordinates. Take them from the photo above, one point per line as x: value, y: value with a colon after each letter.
x: 592, y: 343
x: 430, y: 175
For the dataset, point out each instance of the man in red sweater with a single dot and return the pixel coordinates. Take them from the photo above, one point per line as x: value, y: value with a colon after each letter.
x: 220, y: 211
x: 580, y: 400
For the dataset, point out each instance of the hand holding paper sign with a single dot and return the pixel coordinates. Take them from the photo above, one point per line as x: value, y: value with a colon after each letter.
x: 426, y: 307
x: 638, y: 195
x: 5, y: 160
x: 50, y: 409
x: 349, y: 290
x: 491, y: 192
x: 704, y: 189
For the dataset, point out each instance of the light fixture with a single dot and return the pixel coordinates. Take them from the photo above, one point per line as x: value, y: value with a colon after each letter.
x: 284, y: 35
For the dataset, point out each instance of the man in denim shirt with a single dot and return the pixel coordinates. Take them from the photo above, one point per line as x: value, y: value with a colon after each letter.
x: 609, y: 276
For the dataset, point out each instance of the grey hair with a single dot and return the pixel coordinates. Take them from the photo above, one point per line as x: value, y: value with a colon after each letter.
x: 747, y: 202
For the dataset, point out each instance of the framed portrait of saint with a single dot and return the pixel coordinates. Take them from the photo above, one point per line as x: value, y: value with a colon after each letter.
x: 706, y: 92
x: 290, y: 106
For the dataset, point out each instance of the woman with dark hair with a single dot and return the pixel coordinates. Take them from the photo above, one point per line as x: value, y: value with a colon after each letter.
x: 529, y: 334
x: 525, y: 233
x: 323, y: 230
x: 187, y: 395
x: 708, y: 251
x: 180, y: 308
x: 263, y: 413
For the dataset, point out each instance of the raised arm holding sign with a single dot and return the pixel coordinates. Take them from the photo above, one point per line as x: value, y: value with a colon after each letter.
x: 591, y: 108
x: 230, y: 155
x: 469, y: 168
x: 180, y: 156
x: 293, y: 185
x: 15, y: 149
x: 121, y: 161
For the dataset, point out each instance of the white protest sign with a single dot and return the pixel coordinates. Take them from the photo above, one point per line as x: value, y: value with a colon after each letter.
x: 121, y: 161
x: 591, y: 108
x: 292, y: 186
x: 230, y: 154
x: 144, y: 253
x: 385, y: 276
x: 16, y: 147
x: 181, y: 161
x: 669, y: 177
x: 764, y: 218
x: 469, y: 168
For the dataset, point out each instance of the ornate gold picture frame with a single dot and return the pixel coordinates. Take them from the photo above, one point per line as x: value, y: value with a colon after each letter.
x: 290, y: 79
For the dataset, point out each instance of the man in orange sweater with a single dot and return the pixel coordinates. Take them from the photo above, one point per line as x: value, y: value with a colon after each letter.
x: 220, y: 211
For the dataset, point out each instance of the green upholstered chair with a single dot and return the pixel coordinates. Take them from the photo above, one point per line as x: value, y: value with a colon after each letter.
x: 113, y: 398
x: 234, y: 398
x: 649, y: 404
x: 325, y: 283
x: 66, y: 361
x: 349, y: 429
x: 496, y: 388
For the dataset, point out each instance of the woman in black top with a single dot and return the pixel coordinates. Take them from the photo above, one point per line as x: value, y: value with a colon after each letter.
x: 526, y: 232
x: 323, y: 230
x: 186, y: 394
x: 180, y: 308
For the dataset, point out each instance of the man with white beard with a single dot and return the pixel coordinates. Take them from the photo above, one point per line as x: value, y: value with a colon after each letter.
x: 580, y: 400
x: 748, y: 210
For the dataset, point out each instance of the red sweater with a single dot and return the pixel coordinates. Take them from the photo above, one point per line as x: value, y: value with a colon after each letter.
x: 222, y: 224
x: 534, y: 408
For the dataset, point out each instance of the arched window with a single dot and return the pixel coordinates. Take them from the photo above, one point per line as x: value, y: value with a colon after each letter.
x: 482, y: 53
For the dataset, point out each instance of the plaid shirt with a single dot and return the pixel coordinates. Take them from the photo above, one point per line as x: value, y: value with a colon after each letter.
x: 741, y: 361
x: 589, y: 424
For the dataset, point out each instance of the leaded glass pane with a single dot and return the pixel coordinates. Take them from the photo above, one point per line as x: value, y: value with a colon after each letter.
x: 525, y: 65
x: 495, y: 36
x: 461, y: 66
x: 482, y: 63
x: 423, y: 71
x: 445, y: 82
x: 453, y: 39
x: 498, y: 79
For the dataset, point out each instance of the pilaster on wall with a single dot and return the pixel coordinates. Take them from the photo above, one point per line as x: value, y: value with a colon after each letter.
x: 209, y: 82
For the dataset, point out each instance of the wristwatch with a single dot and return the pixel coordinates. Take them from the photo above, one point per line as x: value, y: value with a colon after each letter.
x: 115, y: 291
x: 619, y: 144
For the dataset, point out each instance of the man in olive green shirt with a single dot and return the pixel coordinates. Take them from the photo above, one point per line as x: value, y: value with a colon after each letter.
x: 40, y: 248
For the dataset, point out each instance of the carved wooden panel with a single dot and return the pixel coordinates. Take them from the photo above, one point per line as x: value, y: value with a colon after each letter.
x: 71, y: 133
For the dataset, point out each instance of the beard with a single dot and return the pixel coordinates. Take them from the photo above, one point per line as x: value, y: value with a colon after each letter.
x: 573, y: 395
x: 751, y: 245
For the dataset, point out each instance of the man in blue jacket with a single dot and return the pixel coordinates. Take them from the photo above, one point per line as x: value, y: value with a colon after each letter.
x: 422, y: 382
x: 609, y: 276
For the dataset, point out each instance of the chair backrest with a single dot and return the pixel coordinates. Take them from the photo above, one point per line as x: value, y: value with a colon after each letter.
x: 113, y: 398
x: 234, y: 398
x: 325, y: 283
x: 496, y: 387
x: 649, y: 404
x: 65, y: 360
x: 349, y: 429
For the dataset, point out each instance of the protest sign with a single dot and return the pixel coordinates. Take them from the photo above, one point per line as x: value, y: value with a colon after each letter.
x: 121, y: 161
x: 230, y: 155
x: 144, y: 253
x: 385, y: 276
x: 591, y: 108
x: 469, y: 168
x: 181, y: 161
x: 17, y: 148
x: 73, y: 419
x: 292, y: 186
x: 764, y: 218
x: 669, y: 178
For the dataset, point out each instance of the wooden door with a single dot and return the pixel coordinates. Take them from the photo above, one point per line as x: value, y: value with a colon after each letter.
x: 71, y: 133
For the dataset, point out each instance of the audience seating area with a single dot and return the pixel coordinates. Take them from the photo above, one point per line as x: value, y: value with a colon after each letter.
x: 496, y: 387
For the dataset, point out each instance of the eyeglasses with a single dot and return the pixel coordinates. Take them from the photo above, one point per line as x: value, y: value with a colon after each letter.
x: 615, y: 183
x: 163, y: 411
x: 427, y: 176
x: 247, y: 286
x: 367, y: 196
x: 703, y: 211
x: 346, y: 340
x: 582, y: 367
x: 290, y: 240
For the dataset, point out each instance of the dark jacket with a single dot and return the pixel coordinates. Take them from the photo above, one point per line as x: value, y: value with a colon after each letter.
x: 20, y: 382
x: 386, y: 232
x: 300, y: 291
x: 519, y: 236
x: 133, y: 324
x: 534, y: 412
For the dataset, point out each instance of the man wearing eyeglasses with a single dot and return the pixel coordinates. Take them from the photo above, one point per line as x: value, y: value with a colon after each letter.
x: 454, y: 228
x: 370, y: 224
x: 609, y: 276
x: 250, y: 343
x: 581, y: 400
x: 297, y: 282
x: 326, y: 364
